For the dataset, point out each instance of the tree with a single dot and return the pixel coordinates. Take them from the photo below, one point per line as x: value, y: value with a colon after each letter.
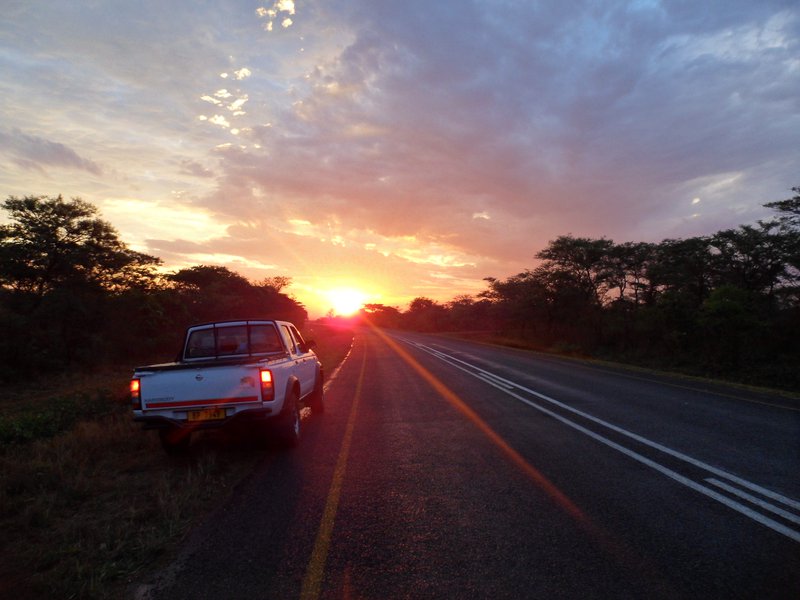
x: 468, y: 315
x: 61, y: 270
x: 583, y: 260
x: 683, y: 267
x: 424, y: 314
x: 212, y: 292
x: 756, y: 259
x: 52, y: 242
x: 210, y: 279
x: 626, y: 271
x: 788, y: 223
x: 276, y: 283
x: 789, y: 210
x: 730, y: 321
x: 380, y: 315
x: 520, y: 303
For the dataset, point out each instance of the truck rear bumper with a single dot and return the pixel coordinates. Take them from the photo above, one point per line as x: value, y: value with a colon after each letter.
x: 251, y: 415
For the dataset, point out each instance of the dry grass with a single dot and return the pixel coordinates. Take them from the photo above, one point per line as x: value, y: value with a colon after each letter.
x: 85, y: 511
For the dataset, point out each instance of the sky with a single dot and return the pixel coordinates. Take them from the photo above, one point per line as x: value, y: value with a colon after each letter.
x: 399, y: 149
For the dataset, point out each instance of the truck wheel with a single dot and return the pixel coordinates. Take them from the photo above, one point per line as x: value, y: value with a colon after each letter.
x: 174, y: 441
x: 287, y: 424
x: 316, y: 401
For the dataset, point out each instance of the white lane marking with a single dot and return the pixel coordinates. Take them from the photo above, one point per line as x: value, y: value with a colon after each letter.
x: 482, y: 374
x: 674, y: 453
x: 770, y: 494
x: 494, y: 380
x: 753, y: 500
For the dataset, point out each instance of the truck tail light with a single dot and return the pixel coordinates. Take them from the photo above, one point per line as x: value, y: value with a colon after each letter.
x: 267, y: 386
x: 136, y: 393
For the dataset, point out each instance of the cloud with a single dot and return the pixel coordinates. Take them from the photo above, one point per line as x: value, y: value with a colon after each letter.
x: 219, y: 120
x: 585, y: 120
x: 35, y: 153
x: 242, y: 73
x: 190, y: 167
x: 236, y: 105
x: 441, y: 141
x: 272, y: 13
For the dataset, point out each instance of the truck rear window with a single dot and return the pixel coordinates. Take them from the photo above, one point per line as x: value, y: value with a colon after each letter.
x: 233, y: 340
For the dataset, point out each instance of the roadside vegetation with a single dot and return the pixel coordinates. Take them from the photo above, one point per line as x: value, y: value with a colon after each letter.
x: 725, y: 305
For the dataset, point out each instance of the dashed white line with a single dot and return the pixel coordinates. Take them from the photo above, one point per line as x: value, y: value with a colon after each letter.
x: 508, y: 386
x: 754, y: 500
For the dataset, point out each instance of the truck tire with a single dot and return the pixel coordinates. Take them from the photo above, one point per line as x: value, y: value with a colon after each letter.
x: 287, y: 424
x: 316, y: 401
x: 174, y: 441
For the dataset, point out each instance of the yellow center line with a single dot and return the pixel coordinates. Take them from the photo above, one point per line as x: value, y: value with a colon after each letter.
x: 312, y: 581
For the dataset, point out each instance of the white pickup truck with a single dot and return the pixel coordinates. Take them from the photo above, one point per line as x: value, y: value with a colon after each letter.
x: 256, y: 373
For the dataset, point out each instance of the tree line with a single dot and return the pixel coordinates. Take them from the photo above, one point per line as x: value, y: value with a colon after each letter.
x: 726, y: 304
x: 72, y: 294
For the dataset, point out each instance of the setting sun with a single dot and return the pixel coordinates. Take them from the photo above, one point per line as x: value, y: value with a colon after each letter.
x: 345, y: 301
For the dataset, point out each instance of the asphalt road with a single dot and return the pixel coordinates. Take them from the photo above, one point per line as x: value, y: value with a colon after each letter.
x: 444, y: 469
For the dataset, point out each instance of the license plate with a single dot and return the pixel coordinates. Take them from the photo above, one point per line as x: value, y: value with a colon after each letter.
x: 208, y: 414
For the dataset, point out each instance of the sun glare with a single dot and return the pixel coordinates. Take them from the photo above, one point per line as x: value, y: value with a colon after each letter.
x: 345, y: 301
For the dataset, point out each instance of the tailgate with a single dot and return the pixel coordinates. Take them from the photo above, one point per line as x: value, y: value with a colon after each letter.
x: 200, y: 387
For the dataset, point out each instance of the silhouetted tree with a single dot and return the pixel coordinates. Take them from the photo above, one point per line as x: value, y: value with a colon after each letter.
x: 276, y: 283
x: 52, y: 243
x: 752, y: 258
x: 627, y: 266
x: 468, y: 314
x: 381, y: 315
x: 61, y: 266
x: 788, y: 211
x: 522, y: 305
x: 425, y: 314
x: 730, y: 320
x: 582, y: 260
x: 211, y: 293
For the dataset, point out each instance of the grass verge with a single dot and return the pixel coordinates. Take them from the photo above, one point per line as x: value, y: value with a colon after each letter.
x: 88, y: 501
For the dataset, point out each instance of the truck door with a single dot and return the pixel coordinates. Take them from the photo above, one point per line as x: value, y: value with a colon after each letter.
x: 304, y: 361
